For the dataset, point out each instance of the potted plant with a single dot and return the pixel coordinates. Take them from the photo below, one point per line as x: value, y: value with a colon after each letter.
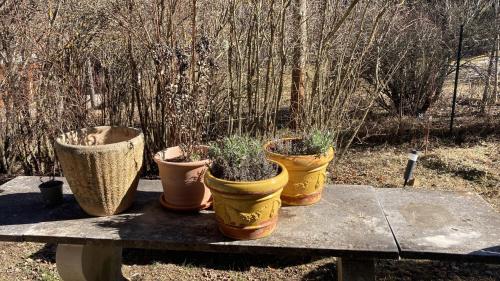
x: 188, y: 89
x: 246, y: 188
x: 306, y: 160
x: 181, y: 171
x: 102, y: 166
x: 51, y: 190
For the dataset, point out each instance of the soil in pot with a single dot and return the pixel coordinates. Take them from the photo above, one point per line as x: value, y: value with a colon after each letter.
x: 247, y: 209
x: 182, y: 182
x: 52, y: 193
x: 102, y: 167
x: 307, y: 173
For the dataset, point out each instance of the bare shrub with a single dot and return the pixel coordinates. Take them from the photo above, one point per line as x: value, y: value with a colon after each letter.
x: 419, y: 80
x: 427, y: 33
x: 70, y: 64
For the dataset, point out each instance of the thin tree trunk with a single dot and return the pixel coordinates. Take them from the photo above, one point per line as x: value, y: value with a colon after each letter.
x: 319, y: 61
x: 297, y: 93
x: 193, y: 44
x: 249, y: 73
x: 264, y: 122
x: 495, y: 86
x: 486, y: 98
x: 282, y: 57
x: 497, y: 46
x: 257, y: 100
x: 231, y: 86
x: 91, y: 83
x: 493, y: 63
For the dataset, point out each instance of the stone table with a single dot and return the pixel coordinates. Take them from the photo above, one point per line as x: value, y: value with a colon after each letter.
x: 348, y: 222
x: 442, y: 225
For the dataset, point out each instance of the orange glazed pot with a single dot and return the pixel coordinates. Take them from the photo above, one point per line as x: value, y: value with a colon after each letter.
x: 307, y: 175
x: 183, y: 186
x: 247, y: 209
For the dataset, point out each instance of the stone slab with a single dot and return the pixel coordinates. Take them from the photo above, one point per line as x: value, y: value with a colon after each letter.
x: 348, y: 221
x: 442, y: 225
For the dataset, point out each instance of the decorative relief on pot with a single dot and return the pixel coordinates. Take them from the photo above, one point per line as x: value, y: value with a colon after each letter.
x: 250, y: 217
x: 307, y: 175
x: 236, y: 217
x: 321, y: 180
x: 275, y: 208
x: 247, y: 210
x: 300, y: 186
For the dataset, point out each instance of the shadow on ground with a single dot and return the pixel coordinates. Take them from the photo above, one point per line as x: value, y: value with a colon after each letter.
x: 47, y: 253
x: 417, y: 270
x: 218, y: 261
x: 435, y: 270
x: 324, y: 272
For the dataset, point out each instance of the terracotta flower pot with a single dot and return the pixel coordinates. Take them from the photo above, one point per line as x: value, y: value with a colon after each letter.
x: 102, y: 166
x: 183, y: 186
x: 247, y: 210
x: 307, y: 175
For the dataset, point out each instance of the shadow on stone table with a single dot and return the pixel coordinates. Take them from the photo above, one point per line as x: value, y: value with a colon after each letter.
x: 28, y: 208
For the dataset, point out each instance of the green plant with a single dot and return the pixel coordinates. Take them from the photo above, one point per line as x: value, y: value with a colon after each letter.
x: 240, y: 159
x: 315, y: 143
x: 318, y: 142
x: 47, y: 275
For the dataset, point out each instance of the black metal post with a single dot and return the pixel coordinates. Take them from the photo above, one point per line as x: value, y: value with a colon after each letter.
x: 410, y: 166
x: 459, y: 56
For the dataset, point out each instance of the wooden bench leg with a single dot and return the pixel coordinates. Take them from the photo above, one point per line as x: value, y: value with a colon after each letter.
x: 89, y: 262
x: 355, y: 269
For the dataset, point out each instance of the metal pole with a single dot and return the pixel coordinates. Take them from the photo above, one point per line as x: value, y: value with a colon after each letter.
x: 459, y: 56
x: 410, y: 166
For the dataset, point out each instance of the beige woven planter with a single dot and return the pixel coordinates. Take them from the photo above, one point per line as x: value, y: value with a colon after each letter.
x: 102, y: 166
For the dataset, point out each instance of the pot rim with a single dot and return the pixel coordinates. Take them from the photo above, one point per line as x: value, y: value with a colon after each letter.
x: 51, y: 184
x: 100, y: 147
x: 329, y: 154
x: 251, y: 186
x: 159, y: 160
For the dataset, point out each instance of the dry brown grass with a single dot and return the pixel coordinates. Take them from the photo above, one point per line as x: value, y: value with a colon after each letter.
x: 468, y: 167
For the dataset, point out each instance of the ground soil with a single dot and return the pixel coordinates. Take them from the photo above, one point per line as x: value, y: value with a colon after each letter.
x: 471, y: 166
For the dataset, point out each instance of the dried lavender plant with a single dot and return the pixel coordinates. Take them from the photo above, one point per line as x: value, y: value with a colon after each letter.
x: 314, y: 143
x: 239, y: 158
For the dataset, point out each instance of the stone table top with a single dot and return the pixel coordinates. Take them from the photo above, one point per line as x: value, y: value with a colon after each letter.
x: 348, y: 221
x: 442, y: 225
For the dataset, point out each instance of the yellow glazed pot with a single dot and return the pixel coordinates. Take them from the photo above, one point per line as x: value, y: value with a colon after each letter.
x: 307, y: 175
x: 247, y: 210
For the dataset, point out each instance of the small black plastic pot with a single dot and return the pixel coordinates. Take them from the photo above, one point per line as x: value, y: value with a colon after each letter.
x: 52, y: 192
